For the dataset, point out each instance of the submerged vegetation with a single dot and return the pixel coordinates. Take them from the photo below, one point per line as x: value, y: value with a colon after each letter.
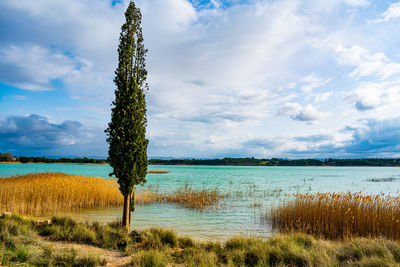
x: 46, y: 193
x: 340, y: 215
x: 29, y: 242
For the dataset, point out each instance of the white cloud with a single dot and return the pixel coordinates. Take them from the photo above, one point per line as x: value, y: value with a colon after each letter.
x: 313, y: 81
x: 373, y: 95
x: 299, y: 113
x: 217, y: 74
x: 357, y: 3
x: 321, y: 97
x: 366, y: 63
x: 33, y: 67
x: 391, y: 13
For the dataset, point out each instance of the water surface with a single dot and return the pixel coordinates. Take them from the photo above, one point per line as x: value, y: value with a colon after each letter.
x: 251, y: 191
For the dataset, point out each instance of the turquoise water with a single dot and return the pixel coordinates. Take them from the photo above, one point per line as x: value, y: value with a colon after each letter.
x: 244, y: 186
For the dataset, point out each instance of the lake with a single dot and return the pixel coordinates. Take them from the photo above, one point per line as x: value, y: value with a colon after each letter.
x: 251, y: 192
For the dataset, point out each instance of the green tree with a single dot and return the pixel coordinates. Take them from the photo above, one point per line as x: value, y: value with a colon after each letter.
x: 6, y: 156
x: 126, y: 132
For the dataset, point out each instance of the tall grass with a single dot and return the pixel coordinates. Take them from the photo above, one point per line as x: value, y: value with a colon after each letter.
x: 41, y: 193
x: 200, y: 200
x: 340, y: 215
x: 47, y: 193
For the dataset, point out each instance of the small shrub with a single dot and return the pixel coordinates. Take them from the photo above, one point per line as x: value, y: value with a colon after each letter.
x: 236, y: 242
x: 82, y: 234
x: 149, y: 258
x: 112, y: 238
x: 252, y: 258
x: 237, y: 257
x: 185, y: 242
x: 136, y: 236
x: 117, y: 224
x: 375, y: 262
x: 22, y: 253
x: 168, y: 237
x: 90, y: 260
x: 65, y: 257
x: 63, y: 221
x: 156, y: 238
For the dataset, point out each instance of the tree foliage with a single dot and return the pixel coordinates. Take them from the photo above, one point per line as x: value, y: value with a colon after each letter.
x: 6, y: 156
x: 127, y: 130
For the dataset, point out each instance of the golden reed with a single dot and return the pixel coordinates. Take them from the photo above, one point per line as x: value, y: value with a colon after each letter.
x: 200, y: 200
x: 340, y: 215
x: 47, y: 193
x: 40, y: 193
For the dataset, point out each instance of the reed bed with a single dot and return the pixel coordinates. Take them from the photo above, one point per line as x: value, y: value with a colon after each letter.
x: 145, y: 196
x: 200, y: 200
x: 42, y: 193
x: 48, y: 193
x: 340, y: 215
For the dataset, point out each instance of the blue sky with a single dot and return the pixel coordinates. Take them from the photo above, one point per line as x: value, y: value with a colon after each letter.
x: 288, y: 78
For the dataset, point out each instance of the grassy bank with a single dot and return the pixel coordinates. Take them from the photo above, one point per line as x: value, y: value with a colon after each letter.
x: 49, y: 193
x: 340, y: 215
x: 26, y: 241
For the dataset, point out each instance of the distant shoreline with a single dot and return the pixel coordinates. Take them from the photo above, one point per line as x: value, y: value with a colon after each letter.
x: 230, y: 165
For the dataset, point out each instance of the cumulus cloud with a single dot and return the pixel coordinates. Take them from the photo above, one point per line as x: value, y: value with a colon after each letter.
x: 299, y: 113
x: 33, y: 67
x: 366, y: 63
x: 373, y: 95
x: 371, y: 138
x: 37, y: 133
x: 391, y: 13
x: 218, y: 72
x: 375, y: 137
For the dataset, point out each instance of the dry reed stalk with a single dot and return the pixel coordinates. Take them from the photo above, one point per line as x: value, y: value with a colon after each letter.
x: 143, y: 197
x: 200, y: 200
x: 340, y: 215
x: 41, y: 193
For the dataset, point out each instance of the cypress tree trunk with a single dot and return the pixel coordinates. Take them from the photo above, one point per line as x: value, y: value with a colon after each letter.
x: 126, y: 221
x: 132, y: 205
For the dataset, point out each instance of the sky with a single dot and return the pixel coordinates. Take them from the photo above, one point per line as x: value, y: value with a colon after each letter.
x: 227, y: 78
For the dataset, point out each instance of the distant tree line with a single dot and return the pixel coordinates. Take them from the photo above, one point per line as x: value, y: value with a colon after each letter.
x: 279, y: 162
x: 221, y: 162
x: 60, y: 160
x: 6, y: 157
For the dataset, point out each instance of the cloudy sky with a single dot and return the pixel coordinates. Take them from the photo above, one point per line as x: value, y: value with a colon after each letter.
x: 262, y: 78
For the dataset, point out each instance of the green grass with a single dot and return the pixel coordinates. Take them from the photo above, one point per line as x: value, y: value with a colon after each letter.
x: 162, y: 247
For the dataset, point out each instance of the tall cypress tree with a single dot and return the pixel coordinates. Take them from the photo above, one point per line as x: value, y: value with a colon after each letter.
x: 126, y: 132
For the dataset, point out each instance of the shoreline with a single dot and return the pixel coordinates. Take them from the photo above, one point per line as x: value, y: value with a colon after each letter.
x: 230, y: 165
x: 67, y: 242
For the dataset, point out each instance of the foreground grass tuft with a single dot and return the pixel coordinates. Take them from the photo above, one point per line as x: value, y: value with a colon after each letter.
x: 162, y: 247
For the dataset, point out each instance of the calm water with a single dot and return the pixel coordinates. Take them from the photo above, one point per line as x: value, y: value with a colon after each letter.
x: 245, y: 186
